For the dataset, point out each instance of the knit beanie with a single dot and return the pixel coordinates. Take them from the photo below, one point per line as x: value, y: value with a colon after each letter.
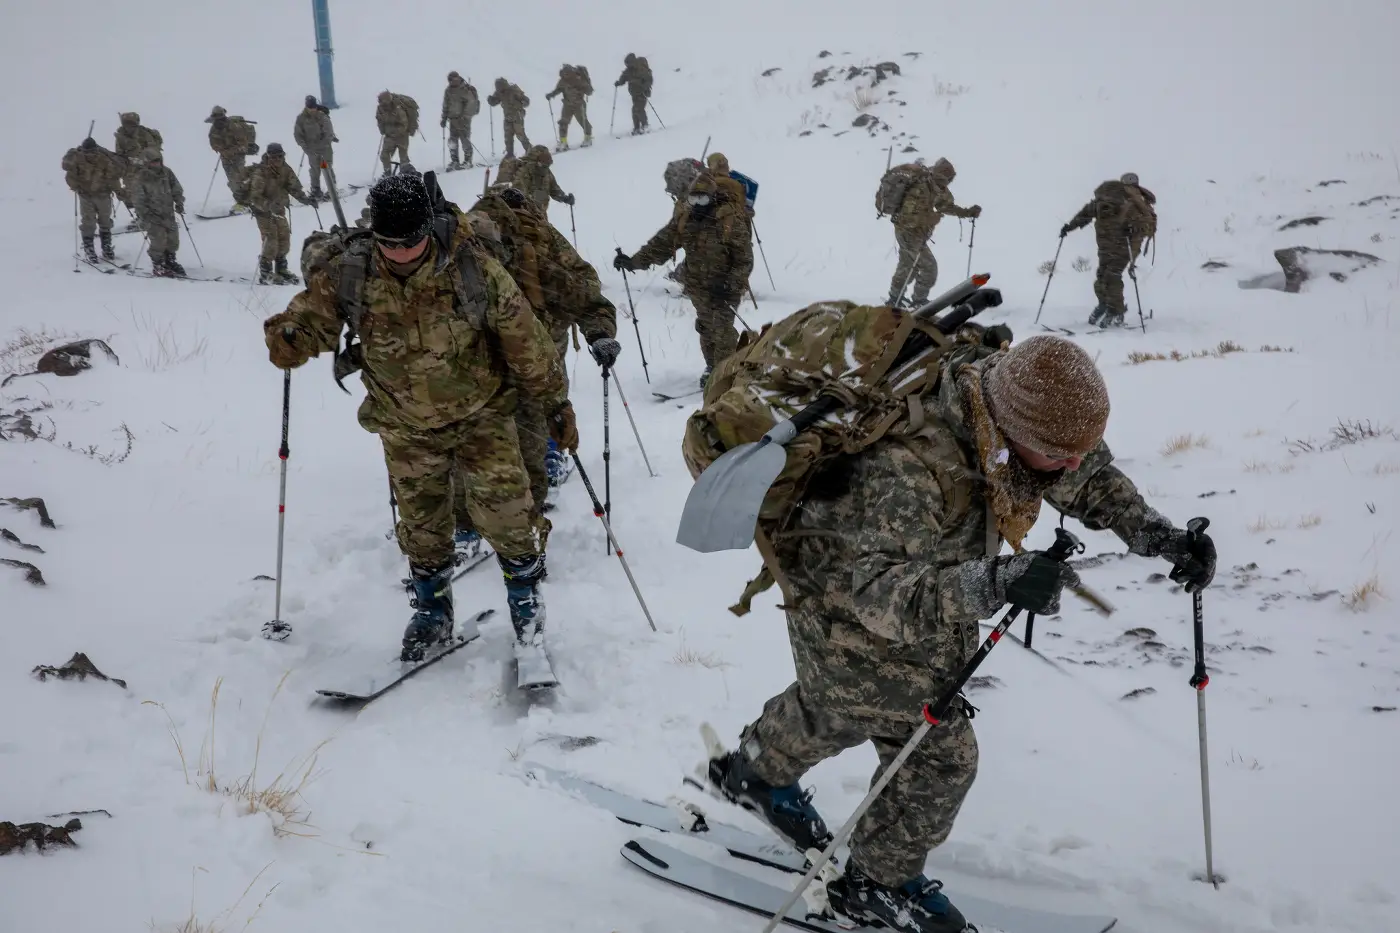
x: 399, y: 208
x: 1047, y: 394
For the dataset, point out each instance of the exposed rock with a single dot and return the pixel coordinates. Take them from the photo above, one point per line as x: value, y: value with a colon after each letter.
x: 1311, y: 221
x: 72, y: 358
x: 8, y: 535
x: 1382, y: 709
x: 823, y: 54
x: 865, y: 119
x: 1214, y: 492
x: 35, y: 504
x: 78, y: 667
x: 15, y: 837
x: 983, y: 682
x: 913, y: 55
x: 1302, y: 263
x: 805, y: 133
x: 1331, y: 181
x: 771, y: 72
x: 31, y: 573
x: 1378, y: 199
x: 1139, y: 692
x: 909, y: 148
x: 1215, y: 264
x: 823, y: 76
x: 1141, y: 632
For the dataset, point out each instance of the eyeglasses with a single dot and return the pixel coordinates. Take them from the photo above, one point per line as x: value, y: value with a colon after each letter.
x: 400, y: 242
x: 698, y: 200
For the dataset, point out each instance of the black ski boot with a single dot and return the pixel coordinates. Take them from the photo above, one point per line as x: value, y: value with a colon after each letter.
x: 1097, y: 314
x: 173, y: 267
x: 1112, y: 319
x: 917, y: 906
x: 88, y: 252
x: 432, y: 622
x: 265, y: 272
x: 283, y: 275
x: 108, y: 252
x: 787, y: 809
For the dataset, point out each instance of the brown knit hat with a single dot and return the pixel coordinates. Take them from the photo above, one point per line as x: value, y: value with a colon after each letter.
x: 1047, y: 394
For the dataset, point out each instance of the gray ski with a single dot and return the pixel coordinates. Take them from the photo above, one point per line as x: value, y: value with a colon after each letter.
x: 370, y: 678
x: 676, y: 394
x: 532, y: 665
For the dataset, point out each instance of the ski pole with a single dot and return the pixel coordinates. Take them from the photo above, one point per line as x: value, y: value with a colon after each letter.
x: 317, y: 211
x: 1132, y: 274
x: 607, y: 454
x: 484, y: 160
x: 635, y: 326
x: 972, y: 238
x: 76, y: 246
x: 278, y: 629
x: 765, y: 257
x: 207, y: 191
x: 1199, y: 680
x: 1053, y: 264
x: 1065, y: 545
x: 1030, y: 628
x: 393, y: 509
x: 557, y: 137
x: 377, y: 157
x: 193, y: 244
x: 573, y: 230
x: 444, y: 147
x: 704, y: 152
x: 492, y: 128
x: 612, y: 124
x: 635, y: 433
x: 617, y: 548
x: 299, y: 162
x: 140, y: 250
x: 655, y: 114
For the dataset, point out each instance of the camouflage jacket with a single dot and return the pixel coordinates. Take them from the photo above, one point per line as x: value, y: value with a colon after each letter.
x: 95, y: 173
x: 512, y: 102
x: 925, y: 202
x: 637, y: 77
x: 425, y: 365
x: 156, y: 192
x: 392, y: 118
x: 575, y: 86
x: 878, y: 620
x: 272, y: 185
x: 460, y: 102
x: 718, y: 249
x: 232, y: 137
x: 537, y: 182
x: 1114, y: 214
x: 313, y: 131
x: 132, y: 139
x: 559, y: 283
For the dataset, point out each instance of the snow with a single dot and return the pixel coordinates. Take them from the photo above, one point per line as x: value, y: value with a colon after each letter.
x: 416, y: 814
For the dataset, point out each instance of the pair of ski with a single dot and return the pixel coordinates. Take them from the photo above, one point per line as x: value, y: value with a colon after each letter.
x: 678, y: 391
x: 343, y: 192
x: 105, y: 266
x: 747, y: 892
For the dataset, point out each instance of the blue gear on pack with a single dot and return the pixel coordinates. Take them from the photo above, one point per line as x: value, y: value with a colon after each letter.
x: 432, y: 621
x: 556, y: 465
x: 750, y: 188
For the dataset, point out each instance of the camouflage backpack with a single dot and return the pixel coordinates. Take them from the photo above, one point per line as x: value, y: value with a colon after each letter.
x: 645, y: 70
x: 680, y: 175
x: 1142, y: 220
x: 889, y: 196
x: 587, y: 81
x: 410, y: 107
x: 526, y: 244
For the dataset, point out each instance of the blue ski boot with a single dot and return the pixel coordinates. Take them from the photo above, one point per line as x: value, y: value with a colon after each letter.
x: 1098, y: 314
x: 470, y: 548
x: 917, y: 906
x: 523, y: 576
x: 432, y: 622
x: 787, y: 809
x: 557, y: 465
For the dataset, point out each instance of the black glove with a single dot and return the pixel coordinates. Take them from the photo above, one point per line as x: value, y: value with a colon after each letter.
x: 619, y: 82
x: 605, y: 351
x: 180, y: 209
x: 335, y: 139
x: 443, y: 124
x: 975, y: 210
x: 252, y: 149
x: 1033, y: 581
x: 569, y: 200
x: 622, y: 262
x: 720, y: 293
x: 1064, y: 231
x: 1191, y: 551
x: 306, y: 201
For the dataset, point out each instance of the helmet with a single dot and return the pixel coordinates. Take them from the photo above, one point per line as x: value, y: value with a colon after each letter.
x: 218, y: 113
x: 1129, y: 178
x: 630, y: 58
x: 399, y: 208
x: 943, y: 171
x: 275, y: 149
x: 311, y: 100
x: 88, y: 144
x: 704, y: 184
x: 130, y: 118
x: 540, y: 155
x: 502, y: 84
x: 718, y: 163
x: 453, y: 74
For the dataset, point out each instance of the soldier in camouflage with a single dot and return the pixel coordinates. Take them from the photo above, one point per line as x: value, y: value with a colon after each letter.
x: 446, y: 343
x: 95, y: 175
x: 512, y: 101
x: 395, y: 122
x: 887, y: 566
x: 505, y: 172
x: 314, y: 133
x: 459, y: 104
x: 271, y: 186
x: 233, y: 139
x: 925, y: 202
x: 133, y: 139
x: 1118, y: 217
x: 576, y: 86
x: 534, y: 176
x: 636, y: 74
x: 157, y: 196
x: 714, y: 232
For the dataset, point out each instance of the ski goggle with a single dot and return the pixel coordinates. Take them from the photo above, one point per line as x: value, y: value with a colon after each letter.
x: 400, y: 242
x: 698, y: 200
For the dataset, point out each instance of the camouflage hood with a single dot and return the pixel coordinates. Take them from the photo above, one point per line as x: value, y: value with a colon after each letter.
x: 1112, y: 191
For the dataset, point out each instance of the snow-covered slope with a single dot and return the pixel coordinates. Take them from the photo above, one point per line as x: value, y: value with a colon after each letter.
x: 415, y: 813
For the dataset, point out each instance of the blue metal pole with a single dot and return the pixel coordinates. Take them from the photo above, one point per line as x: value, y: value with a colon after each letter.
x: 321, y: 14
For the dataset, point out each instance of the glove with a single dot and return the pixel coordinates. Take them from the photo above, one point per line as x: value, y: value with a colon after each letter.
x: 569, y: 200
x: 335, y: 139
x: 306, y: 201
x: 443, y: 124
x: 562, y: 429
x: 605, y: 351
x: 180, y: 209
x: 975, y: 211
x: 252, y: 149
x: 720, y: 293
x: 1191, y: 552
x: 622, y: 262
x: 284, y: 342
x: 976, y: 589
x: 618, y: 83
x: 1064, y: 231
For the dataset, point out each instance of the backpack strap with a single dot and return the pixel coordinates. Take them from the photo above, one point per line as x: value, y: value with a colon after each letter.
x: 350, y: 307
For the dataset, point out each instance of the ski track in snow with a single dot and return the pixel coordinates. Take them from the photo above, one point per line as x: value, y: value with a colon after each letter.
x: 415, y: 813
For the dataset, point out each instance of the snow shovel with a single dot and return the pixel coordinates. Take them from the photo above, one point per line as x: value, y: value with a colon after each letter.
x: 721, y: 511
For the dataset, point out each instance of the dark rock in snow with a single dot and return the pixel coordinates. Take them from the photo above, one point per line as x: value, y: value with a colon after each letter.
x: 8, y: 535
x: 72, y: 358
x: 31, y: 573
x: 821, y: 77
x: 823, y: 54
x: 14, y: 837
x: 909, y: 148
x: 1331, y: 181
x: 78, y: 667
x: 1377, y: 200
x: 771, y: 72
x: 1215, y: 264
x: 1311, y: 221
x: 1139, y: 692
x: 1382, y: 709
x: 35, y: 504
x: 1302, y: 263
x: 864, y: 119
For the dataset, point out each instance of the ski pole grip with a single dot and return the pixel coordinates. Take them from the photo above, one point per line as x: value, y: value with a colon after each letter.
x: 1065, y: 544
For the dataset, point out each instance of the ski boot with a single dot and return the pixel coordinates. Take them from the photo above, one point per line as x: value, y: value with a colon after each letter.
x: 469, y: 547
x: 587, y: 141
x: 1112, y: 319
x: 89, y: 253
x: 240, y: 207
x: 563, y: 143
x: 917, y: 906
x: 172, y: 267
x: 432, y: 621
x: 705, y: 378
x: 1097, y: 315
x: 265, y: 272
x: 283, y: 275
x: 557, y: 465
x: 523, y: 576
x: 788, y: 810
x: 108, y: 252
x: 316, y: 196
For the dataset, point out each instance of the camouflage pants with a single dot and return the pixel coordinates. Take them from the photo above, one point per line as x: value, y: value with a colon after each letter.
x: 578, y: 112
x: 96, y: 214
x: 513, y: 130
x: 313, y: 162
x: 639, y: 113
x: 387, y: 148
x: 714, y: 322
x: 459, y: 131
x: 484, y: 453
x: 917, y: 259
x: 276, y: 235
x: 163, y: 235
x: 1108, y: 282
x: 234, y: 171
x: 533, y: 434
x: 915, y: 811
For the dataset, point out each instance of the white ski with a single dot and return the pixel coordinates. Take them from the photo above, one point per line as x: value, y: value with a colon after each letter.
x: 369, y: 677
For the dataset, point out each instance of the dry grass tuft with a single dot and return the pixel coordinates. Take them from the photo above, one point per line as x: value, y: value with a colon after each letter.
x: 1364, y: 594
x: 1267, y: 468
x: 1184, y: 442
x: 688, y: 657
x: 1218, y: 352
x: 1046, y: 267
x: 192, y: 923
x: 1311, y: 520
x: 1386, y: 468
x: 1264, y: 523
x: 1257, y: 432
x: 1343, y: 434
x: 863, y: 98
x: 27, y: 345
x: 947, y: 89
x: 1082, y: 264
